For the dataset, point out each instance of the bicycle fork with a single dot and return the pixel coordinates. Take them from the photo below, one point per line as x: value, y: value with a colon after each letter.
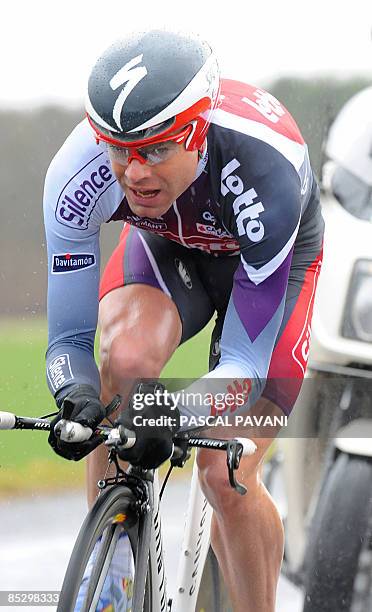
x: 157, y: 568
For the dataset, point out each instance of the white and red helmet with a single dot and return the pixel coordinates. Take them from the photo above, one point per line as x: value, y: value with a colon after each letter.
x: 150, y: 85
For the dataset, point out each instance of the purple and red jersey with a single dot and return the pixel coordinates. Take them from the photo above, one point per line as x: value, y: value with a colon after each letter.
x: 254, y: 196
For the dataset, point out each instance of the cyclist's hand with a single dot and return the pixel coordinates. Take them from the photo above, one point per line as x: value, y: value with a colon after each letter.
x: 82, y: 405
x: 154, y: 443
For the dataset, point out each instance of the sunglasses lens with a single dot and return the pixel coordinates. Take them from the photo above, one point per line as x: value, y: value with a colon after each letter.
x: 157, y: 153
x: 119, y: 155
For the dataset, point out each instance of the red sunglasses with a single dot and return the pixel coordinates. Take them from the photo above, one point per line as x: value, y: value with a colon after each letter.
x: 156, y: 151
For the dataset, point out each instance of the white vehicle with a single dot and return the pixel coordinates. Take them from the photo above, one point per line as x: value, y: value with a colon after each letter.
x: 328, y: 476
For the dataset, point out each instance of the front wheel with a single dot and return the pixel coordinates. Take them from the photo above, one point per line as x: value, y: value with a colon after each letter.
x: 339, y: 543
x: 104, y: 571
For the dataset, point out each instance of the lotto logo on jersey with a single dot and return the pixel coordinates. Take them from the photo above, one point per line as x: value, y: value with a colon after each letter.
x: 59, y: 371
x: 81, y: 194
x: 246, y: 209
x: 72, y: 262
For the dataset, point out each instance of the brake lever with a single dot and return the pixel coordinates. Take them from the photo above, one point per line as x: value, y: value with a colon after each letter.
x: 113, y: 405
x: 234, y: 452
x: 181, y: 452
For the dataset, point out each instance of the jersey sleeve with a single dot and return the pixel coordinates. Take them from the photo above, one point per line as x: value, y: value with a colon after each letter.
x: 79, y: 194
x: 264, y: 218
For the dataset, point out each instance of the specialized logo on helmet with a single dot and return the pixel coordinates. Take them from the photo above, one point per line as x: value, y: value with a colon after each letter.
x: 131, y: 76
x: 244, y: 205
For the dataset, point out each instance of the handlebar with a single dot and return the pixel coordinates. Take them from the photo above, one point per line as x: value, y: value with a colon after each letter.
x: 74, y: 432
x: 114, y: 436
x: 70, y: 431
x: 8, y: 420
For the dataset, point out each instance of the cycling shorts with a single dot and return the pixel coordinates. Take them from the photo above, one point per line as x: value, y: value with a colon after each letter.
x: 200, y: 284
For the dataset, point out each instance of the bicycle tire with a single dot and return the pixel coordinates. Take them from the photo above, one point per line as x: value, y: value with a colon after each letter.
x: 111, y: 515
x: 339, y: 532
x: 213, y: 593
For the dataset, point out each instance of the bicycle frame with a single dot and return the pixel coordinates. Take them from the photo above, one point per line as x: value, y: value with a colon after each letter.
x: 195, y: 546
x: 196, y: 537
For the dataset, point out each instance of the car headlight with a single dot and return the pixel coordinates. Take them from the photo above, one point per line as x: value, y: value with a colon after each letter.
x: 357, y: 319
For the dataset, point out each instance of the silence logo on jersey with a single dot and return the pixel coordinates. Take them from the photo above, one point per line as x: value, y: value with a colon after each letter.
x: 247, y: 211
x: 59, y: 371
x: 72, y: 262
x: 80, y: 195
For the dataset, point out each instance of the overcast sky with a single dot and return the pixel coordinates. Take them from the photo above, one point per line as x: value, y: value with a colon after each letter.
x: 47, y: 48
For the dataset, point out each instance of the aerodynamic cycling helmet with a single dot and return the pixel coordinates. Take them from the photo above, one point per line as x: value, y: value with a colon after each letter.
x: 150, y: 85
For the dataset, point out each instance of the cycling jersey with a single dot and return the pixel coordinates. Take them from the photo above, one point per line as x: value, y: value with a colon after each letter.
x: 254, y: 196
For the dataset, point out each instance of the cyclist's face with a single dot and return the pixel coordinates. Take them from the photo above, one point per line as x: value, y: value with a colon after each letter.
x: 152, y: 189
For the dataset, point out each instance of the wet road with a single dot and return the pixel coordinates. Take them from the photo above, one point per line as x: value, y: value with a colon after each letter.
x: 38, y: 533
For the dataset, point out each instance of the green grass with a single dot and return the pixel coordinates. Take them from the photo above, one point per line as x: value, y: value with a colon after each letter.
x: 26, y: 461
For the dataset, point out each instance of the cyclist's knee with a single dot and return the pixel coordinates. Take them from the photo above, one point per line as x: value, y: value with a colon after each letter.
x: 213, y: 477
x: 124, y: 360
x: 138, y: 334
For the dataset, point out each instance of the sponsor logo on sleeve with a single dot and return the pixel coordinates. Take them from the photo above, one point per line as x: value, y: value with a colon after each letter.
x: 300, y: 351
x: 59, y: 371
x: 79, y: 197
x: 266, y: 104
x: 246, y: 209
x: 72, y: 262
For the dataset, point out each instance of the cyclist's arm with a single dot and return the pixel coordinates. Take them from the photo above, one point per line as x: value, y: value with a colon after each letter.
x: 256, y: 306
x: 73, y: 277
x: 80, y: 194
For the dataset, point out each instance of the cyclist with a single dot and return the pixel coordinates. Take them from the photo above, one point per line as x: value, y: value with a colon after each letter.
x: 221, y: 213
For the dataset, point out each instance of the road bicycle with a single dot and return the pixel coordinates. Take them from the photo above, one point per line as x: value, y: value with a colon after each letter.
x: 128, y: 506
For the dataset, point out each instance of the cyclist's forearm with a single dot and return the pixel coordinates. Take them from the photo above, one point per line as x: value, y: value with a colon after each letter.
x: 237, y: 382
x: 71, y: 361
x: 225, y: 391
